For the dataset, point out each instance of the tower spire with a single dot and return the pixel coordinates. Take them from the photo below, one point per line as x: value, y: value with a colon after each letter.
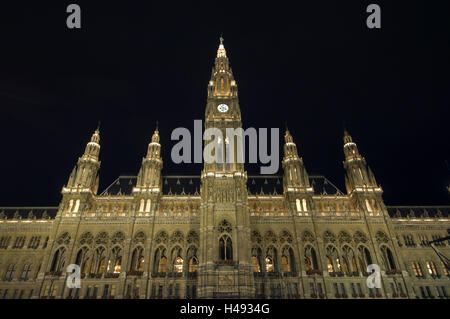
x: 85, y: 173
x: 358, y: 173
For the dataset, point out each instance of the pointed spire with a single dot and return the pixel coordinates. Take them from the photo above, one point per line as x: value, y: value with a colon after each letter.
x: 155, y: 136
x: 221, y: 53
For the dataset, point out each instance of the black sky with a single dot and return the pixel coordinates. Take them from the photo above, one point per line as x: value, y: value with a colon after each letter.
x: 315, y: 65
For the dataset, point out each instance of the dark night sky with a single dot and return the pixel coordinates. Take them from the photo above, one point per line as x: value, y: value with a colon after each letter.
x: 314, y: 65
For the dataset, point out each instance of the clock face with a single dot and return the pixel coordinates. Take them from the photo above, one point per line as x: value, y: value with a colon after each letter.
x: 222, y: 108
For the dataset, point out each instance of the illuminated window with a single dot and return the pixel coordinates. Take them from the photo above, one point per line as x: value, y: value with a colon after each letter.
x: 178, y: 265
x: 446, y: 272
x: 338, y: 264
x: 255, y: 263
x: 77, y: 206
x: 369, y: 208
x: 285, y: 264
x: 416, y: 269
x: 269, y: 264
x: 101, y: 266
x: 193, y: 264
x: 140, y: 264
x: 307, y: 264
x: 330, y: 265
x: 431, y: 268
x: 345, y: 264
x: 141, y: 206
x: 299, y: 206
x: 147, y: 207
x: 162, y: 264
x: 305, y: 208
x: 69, y: 208
x: 84, y: 269
x: 117, y: 265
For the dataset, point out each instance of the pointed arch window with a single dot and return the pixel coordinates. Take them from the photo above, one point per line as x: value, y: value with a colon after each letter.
x: 141, y: 205
x: 329, y: 265
x: 162, y: 264
x: 285, y: 266
x: 310, y: 258
x: 178, y: 264
x: 388, y: 258
x: 148, y: 206
x: 369, y: 208
x: 298, y: 204
x: 305, y: 207
x: 193, y: 264
x: 269, y: 264
x: 225, y: 248
x: 77, y: 206
x: 69, y: 208
x: 255, y: 264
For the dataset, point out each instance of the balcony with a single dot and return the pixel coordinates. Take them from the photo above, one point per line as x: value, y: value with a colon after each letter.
x: 225, y: 262
x: 112, y: 275
x: 311, y: 272
x: 135, y: 273
x: 393, y: 272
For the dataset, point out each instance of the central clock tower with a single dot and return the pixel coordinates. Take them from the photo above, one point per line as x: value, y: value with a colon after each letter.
x: 225, y: 262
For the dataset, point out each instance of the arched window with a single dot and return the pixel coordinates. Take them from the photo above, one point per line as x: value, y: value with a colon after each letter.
x: 178, y: 264
x: 388, y: 258
x: 77, y: 206
x: 308, y: 265
x: 79, y: 257
x: 364, y: 258
x: 193, y: 264
x: 69, y: 208
x: 354, y: 264
x: 148, y: 206
x: 58, y: 260
x: 85, y: 267
x: 118, y: 265
x: 285, y: 267
x: 115, y: 260
x: 310, y: 258
x: 269, y: 264
x: 329, y: 265
x: 255, y: 263
x: 137, y: 259
x: 369, y: 208
x: 101, y: 266
x: 305, y: 207
x: 299, y: 205
x: 225, y: 248
x: 141, y: 205
x: 345, y: 265
x: 162, y: 264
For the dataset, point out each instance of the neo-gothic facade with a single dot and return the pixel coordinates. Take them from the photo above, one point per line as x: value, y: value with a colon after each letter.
x: 222, y: 234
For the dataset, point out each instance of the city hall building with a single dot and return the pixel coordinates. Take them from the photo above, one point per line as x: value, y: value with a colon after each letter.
x: 223, y: 233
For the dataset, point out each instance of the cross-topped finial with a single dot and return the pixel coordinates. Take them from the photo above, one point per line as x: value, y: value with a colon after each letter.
x: 98, y: 125
x: 221, y: 39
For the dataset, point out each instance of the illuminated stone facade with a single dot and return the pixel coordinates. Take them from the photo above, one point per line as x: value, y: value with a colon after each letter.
x: 222, y: 234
